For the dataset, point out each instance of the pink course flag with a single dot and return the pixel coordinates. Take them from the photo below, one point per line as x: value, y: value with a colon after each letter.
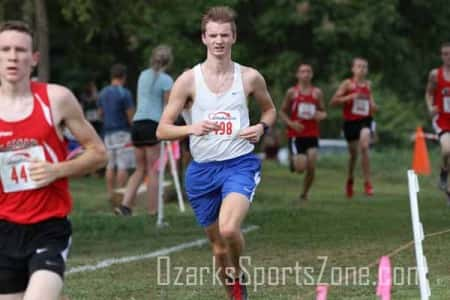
x: 384, y: 279
x: 322, y: 292
x: 176, y: 152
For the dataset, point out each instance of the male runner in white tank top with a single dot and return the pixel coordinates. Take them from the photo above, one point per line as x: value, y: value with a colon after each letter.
x: 221, y: 180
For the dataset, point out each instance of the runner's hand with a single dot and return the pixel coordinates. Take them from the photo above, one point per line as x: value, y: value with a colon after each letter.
x: 253, y: 133
x: 351, y: 97
x: 297, y: 126
x: 42, y: 172
x: 204, y: 127
x: 433, y: 110
x: 319, y: 115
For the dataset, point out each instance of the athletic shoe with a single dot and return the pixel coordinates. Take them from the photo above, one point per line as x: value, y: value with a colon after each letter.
x: 122, y: 210
x: 349, y: 188
x: 368, y: 189
x: 443, y: 180
x: 239, y: 289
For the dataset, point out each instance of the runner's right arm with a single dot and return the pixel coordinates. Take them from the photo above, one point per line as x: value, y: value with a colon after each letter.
x: 179, y: 95
x: 340, y: 97
x: 285, y: 110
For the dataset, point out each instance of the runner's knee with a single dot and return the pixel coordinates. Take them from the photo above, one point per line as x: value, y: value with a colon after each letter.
x: 310, y: 168
x: 300, y: 163
x: 229, y: 232
x: 219, y: 249
x: 353, y: 153
x: 300, y: 168
x: 364, y: 147
x: 445, y: 151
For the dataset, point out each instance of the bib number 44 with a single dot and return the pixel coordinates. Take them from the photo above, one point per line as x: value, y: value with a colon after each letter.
x: 14, y: 168
x: 19, y: 174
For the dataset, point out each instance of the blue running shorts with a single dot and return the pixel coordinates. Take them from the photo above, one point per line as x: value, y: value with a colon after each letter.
x: 208, y: 183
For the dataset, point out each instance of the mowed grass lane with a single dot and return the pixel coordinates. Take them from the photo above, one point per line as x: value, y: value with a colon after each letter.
x: 325, y: 240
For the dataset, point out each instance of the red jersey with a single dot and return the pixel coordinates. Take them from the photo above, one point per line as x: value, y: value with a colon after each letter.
x: 303, y: 109
x: 442, y: 101
x: 359, y: 107
x: 34, y: 136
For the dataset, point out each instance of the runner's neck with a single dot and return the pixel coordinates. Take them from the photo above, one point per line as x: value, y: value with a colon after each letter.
x: 358, y: 80
x: 218, y: 66
x: 13, y: 91
x: 446, y: 71
x: 304, y: 87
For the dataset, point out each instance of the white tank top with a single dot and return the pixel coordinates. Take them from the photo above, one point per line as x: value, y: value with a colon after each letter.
x: 229, y: 110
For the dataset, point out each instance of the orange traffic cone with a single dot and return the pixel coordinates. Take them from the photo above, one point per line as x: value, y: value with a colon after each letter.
x: 421, y: 163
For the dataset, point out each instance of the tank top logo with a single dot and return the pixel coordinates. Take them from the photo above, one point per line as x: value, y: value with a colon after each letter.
x: 229, y: 122
x: 14, y: 170
x: 16, y: 144
x: 6, y: 133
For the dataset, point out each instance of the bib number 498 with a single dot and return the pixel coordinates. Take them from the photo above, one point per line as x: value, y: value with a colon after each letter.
x: 228, y: 122
x: 226, y: 128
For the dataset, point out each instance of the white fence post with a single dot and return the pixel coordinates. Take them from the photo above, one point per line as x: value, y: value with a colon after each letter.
x: 422, y: 267
x: 161, y: 168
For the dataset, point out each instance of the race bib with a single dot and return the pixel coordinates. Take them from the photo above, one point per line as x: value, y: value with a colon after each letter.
x: 361, y: 107
x: 306, y: 111
x: 446, y: 104
x: 229, y: 122
x: 14, y: 169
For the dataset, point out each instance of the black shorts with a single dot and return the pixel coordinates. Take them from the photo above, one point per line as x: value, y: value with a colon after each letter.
x: 300, y: 145
x: 25, y: 249
x: 352, y: 129
x: 441, y: 133
x: 143, y: 133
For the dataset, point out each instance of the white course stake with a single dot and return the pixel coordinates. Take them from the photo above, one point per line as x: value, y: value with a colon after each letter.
x: 162, y: 167
x: 176, y: 180
x: 422, y: 267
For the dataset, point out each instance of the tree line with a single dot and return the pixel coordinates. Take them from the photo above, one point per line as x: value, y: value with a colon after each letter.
x: 400, y: 39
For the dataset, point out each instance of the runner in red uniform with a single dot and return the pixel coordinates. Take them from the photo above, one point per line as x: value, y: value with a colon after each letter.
x: 438, y: 102
x: 355, y: 96
x: 34, y: 194
x: 301, y: 111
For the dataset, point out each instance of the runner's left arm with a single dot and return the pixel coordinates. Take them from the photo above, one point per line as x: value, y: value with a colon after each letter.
x: 259, y: 91
x: 373, y: 105
x: 320, y: 113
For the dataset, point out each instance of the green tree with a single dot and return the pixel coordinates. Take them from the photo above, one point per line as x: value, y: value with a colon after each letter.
x: 400, y: 39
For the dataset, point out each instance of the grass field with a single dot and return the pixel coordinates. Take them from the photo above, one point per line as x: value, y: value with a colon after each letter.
x: 325, y: 239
